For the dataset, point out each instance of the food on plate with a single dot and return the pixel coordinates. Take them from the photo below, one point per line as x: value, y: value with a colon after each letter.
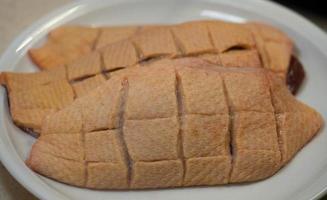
x: 217, y: 41
x: 32, y: 96
x: 175, y: 123
x: 68, y: 43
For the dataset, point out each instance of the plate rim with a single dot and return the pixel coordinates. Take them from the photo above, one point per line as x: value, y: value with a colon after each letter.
x: 73, y: 9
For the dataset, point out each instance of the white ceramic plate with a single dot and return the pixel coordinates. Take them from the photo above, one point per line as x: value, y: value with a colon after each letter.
x: 304, y: 178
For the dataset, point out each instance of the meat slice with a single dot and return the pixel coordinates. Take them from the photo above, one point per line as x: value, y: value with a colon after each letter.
x: 140, y: 130
x: 220, y: 43
x: 247, y: 42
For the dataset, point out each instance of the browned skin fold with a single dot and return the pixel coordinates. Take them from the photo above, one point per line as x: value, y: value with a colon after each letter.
x: 150, y: 130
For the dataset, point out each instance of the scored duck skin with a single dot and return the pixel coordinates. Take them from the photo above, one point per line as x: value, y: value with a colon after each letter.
x: 68, y: 43
x: 169, y: 125
x: 192, y: 38
x: 34, y: 95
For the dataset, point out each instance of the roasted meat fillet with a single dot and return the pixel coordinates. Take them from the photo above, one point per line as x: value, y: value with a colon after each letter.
x: 34, y: 95
x: 175, y: 124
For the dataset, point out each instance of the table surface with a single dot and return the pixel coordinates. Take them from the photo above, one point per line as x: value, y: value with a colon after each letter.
x: 15, y: 15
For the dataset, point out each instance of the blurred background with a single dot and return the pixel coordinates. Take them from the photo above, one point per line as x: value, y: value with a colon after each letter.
x: 15, y: 15
x: 314, y: 10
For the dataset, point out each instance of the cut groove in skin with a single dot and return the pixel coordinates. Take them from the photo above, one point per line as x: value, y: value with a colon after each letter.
x: 84, y: 160
x: 259, y: 55
x: 279, y: 139
x: 213, y: 44
x: 101, y: 129
x: 81, y: 78
x: 66, y: 72
x: 137, y: 50
x: 84, y: 151
x: 210, y: 36
x: 237, y: 48
x: 230, y: 129
x: 95, y: 43
x: 179, y: 99
x: 70, y: 82
x: 74, y: 92
x: 123, y: 100
x: 113, y: 70
x: 148, y: 61
x: 177, y: 43
x: 103, y: 69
